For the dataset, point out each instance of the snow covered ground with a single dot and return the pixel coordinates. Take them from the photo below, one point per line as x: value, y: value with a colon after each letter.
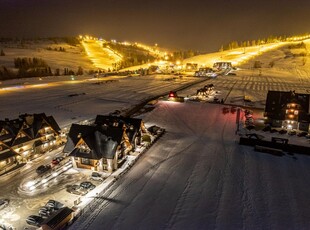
x: 198, y: 177
x: 71, y: 101
x: 72, y: 58
x: 102, y: 58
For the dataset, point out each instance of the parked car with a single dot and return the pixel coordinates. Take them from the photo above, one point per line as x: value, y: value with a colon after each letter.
x: 267, y: 128
x: 4, y: 203
x: 43, y: 168
x: 34, y: 220
x: 57, y: 160
x: 302, y: 134
x: 292, y: 132
x: 76, y: 189
x: 54, y: 204
x: 155, y: 130
x: 283, y: 131
x: 96, y: 176
x: 45, y: 211
x: 87, y: 185
x: 273, y: 130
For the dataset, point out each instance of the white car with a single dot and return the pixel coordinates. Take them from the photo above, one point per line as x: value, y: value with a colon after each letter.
x: 96, y: 176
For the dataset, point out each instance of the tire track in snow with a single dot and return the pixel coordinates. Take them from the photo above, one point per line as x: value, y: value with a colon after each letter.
x: 104, y: 205
x: 172, y: 221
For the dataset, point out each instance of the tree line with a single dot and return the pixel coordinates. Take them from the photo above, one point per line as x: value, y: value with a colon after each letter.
x: 34, y: 67
x: 241, y: 44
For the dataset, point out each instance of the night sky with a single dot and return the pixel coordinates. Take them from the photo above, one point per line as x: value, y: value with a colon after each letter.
x: 194, y: 24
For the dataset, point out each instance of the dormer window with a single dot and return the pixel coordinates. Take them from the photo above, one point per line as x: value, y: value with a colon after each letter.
x: 3, y: 132
x: 84, y: 148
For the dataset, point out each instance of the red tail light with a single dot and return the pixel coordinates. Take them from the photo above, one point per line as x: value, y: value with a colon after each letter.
x: 171, y: 94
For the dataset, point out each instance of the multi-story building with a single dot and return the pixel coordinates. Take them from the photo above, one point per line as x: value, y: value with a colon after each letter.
x: 26, y: 138
x: 103, y: 145
x: 288, y: 110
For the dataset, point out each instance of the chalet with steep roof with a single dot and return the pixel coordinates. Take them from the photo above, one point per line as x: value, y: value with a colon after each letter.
x: 26, y: 137
x: 105, y: 144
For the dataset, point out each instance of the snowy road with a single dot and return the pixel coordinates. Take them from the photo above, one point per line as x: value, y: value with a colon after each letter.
x: 197, y: 177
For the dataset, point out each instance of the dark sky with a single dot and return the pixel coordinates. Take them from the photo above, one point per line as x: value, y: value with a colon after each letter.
x: 197, y: 24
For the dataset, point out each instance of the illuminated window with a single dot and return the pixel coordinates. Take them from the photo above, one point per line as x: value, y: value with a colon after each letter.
x: 20, y: 135
x: 84, y: 148
x: 3, y: 132
x: 85, y: 161
x: 296, y: 112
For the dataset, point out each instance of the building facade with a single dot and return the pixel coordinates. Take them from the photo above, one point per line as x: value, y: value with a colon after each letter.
x: 104, y: 145
x: 26, y: 138
x: 288, y: 110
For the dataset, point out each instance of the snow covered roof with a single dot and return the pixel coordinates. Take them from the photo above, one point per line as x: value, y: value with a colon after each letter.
x: 26, y: 127
x: 100, y: 141
x: 132, y: 124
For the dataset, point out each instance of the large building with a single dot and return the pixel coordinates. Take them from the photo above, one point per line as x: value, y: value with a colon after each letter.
x: 26, y: 137
x: 103, y: 146
x: 288, y: 110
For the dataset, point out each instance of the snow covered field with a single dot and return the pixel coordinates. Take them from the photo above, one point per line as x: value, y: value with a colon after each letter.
x: 71, y: 101
x: 198, y: 177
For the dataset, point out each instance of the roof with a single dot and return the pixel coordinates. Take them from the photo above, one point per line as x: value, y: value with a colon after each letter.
x: 132, y: 124
x: 108, y: 120
x: 56, y: 218
x: 7, y: 154
x: 27, y: 124
x: 102, y: 141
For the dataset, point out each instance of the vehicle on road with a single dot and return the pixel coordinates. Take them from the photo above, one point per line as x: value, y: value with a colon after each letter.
x: 4, y: 203
x: 43, y: 168
x: 87, y: 185
x: 174, y: 97
x: 96, y: 176
x: 76, y: 190
x: 34, y: 220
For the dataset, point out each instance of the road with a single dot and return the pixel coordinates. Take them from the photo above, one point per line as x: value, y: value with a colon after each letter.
x: 197, y: 177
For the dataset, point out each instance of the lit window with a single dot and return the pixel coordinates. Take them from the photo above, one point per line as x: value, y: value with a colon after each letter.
x: 296, y: 112
x: 85, y: 161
